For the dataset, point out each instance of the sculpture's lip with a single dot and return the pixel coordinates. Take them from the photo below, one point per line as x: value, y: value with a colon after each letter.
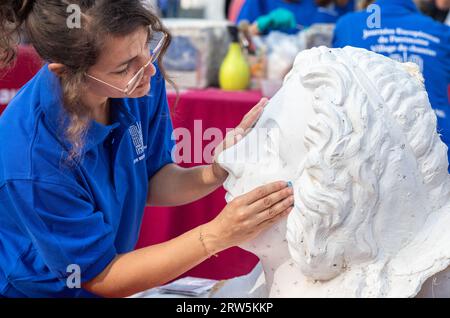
x: 228, y: 196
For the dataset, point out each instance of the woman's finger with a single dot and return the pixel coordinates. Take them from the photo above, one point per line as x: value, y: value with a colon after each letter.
x: 270, y: 222
x: 260, y: 105
x: 262, y: 192
x: 269, y: 201
x: 275, y: 210
x: 253, y: 115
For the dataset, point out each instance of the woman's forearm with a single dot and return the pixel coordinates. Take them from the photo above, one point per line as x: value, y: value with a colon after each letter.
x: 156, y: 265
x: 174, y: 185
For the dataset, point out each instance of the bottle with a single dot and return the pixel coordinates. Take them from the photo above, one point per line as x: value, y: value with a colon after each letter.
x: 234, y: 74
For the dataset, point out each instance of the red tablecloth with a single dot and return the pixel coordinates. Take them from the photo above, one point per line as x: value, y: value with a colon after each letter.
x: 215, y: 108
x: 448, y: 92
x: 27, y: 64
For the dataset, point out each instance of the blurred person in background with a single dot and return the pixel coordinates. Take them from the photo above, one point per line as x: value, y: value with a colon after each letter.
x: 168, y: 8
x: 406, y: 35
x: 291, y: 16
x: 437, y: 9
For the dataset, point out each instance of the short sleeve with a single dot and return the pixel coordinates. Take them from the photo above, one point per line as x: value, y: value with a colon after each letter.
x: 63, y: 226
x: 160, y: 141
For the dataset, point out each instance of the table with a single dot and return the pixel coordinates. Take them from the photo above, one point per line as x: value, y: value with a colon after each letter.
x: 215, y: 108
x: 252, y: 285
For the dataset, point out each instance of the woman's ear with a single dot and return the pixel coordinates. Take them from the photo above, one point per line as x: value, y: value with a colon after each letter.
x: 57, y: 68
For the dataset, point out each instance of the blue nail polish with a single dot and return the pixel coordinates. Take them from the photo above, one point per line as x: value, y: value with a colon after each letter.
x: 289, y: 184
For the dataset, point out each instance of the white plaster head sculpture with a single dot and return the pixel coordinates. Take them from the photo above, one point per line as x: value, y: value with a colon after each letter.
x: 355, y: 133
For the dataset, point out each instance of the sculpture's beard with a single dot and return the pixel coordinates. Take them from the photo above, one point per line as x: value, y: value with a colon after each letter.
x: 329, y: 227
x: 318, y: 263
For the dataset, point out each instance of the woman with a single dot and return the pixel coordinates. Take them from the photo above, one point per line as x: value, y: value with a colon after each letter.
x: 86, y: 144
x: 292, y: 15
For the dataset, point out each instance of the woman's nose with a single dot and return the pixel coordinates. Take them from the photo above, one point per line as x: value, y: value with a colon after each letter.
x: 150, y: 71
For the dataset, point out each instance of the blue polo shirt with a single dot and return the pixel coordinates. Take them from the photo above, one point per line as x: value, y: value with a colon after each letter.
x: 406, y: 35
x: 53, y: 215
x: 306, y: 11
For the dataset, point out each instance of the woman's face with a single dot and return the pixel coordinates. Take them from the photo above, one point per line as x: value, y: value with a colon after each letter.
x: 120, y: 60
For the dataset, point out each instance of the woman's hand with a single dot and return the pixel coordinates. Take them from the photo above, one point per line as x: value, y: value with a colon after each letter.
x: 234, y: 136
x: 247, y: 216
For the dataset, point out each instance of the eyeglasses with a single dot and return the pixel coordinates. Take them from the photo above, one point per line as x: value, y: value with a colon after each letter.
x: 155, y: 51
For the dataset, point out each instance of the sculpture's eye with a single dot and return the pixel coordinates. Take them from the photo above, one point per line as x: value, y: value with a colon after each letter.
x: 273, y: 134
x: 272, y: 143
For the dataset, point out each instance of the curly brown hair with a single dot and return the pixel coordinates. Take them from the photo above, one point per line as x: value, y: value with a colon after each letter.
x: 44, y: 24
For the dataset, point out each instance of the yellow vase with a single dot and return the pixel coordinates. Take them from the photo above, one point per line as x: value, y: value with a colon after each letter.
x: 234, y: 73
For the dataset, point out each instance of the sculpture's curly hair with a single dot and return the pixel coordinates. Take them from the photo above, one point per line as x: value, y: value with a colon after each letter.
x: 339, y: 182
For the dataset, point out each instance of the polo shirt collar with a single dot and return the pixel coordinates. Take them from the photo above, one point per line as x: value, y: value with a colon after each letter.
x: 58, y: 119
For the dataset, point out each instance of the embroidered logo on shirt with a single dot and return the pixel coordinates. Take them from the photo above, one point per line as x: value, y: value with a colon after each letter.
x: 138, y: 141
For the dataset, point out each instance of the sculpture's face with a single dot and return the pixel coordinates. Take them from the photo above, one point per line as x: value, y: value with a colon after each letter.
x: 274, y: 149
x: 359, y: 170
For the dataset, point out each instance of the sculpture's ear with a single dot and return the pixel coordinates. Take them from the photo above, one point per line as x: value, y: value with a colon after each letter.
x: 414, y: 70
